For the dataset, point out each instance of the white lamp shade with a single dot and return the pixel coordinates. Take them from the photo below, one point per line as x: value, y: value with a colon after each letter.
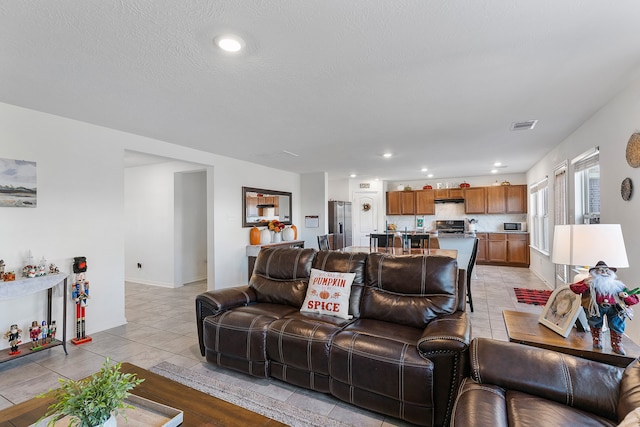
x: 586, y: 244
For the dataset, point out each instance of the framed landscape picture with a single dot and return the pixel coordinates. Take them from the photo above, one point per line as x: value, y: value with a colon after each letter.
x: 561, y: 311
x: 18, y: 185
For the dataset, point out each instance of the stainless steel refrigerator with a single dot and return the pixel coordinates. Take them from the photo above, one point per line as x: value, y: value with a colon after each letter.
x: 340, y: 224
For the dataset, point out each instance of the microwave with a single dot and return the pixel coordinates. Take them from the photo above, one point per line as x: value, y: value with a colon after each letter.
x: 514, y: 226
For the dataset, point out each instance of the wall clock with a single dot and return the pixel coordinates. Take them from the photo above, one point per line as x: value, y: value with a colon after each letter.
x: 626, y: 189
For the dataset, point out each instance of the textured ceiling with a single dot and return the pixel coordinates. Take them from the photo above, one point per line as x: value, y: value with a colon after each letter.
x: 438, y: 83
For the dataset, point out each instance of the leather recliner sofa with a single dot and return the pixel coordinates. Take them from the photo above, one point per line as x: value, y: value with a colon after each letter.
x: 403, y: 353
x: 513, y: 384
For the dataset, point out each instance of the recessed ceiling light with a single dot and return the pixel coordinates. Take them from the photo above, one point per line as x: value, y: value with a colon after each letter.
x: 424, y: 170
x: 387, y: 155
x: 496, y: 164
x: 353, y: 175
x: 229, y: 43
x: 430, y: 175
x: 494, y: 170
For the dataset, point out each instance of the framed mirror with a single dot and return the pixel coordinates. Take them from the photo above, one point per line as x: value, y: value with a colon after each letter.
x: 259, y: 206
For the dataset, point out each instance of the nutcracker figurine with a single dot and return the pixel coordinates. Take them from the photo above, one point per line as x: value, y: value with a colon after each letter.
x: 80, y: 294
x: 44, y: 331
x: 53, y: 328
x: 14, y: 335
x: 34, y: 334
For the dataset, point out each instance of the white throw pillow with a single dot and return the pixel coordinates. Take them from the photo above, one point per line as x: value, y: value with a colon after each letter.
x: 328, y: 293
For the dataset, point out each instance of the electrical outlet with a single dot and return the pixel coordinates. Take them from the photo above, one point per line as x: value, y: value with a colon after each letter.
x: 139, y: 266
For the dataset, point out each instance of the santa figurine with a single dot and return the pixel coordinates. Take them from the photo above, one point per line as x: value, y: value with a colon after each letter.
x: 604, y: 295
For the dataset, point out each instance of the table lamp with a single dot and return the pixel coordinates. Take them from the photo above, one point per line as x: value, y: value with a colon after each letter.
x: 586, y: 244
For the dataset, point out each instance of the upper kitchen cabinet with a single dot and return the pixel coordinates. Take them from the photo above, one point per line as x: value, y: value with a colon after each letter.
x: 448, y: 193
x: 516, y: 198
x: 425, y: 202
x: 507, y: 199
x: 401, y: 203
x: 474, y: 200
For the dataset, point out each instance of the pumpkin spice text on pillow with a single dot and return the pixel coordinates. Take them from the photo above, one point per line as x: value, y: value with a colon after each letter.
x: 328, y: 293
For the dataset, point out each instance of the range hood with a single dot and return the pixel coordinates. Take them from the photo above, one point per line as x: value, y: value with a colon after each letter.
x: 460, y: 200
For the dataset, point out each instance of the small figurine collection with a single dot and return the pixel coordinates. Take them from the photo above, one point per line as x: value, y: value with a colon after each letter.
x: 42, y: 333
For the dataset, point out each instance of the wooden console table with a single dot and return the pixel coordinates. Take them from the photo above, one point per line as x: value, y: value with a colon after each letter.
x: 253, y: 250
x: 524, y: 328
x: 27, y: 286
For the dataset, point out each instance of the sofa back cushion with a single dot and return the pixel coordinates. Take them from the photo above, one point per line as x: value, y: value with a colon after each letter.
x: 409, y: 290
x: 344, y: 262
x: 281, y: 275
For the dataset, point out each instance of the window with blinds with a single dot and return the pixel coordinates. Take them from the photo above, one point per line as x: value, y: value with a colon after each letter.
x: 539, y: 215
x: 561, y: 212
x: 586, y: 169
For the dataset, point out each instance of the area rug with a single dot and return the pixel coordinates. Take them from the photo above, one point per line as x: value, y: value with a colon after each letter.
x: 532, y: 296
x: 245, y: 398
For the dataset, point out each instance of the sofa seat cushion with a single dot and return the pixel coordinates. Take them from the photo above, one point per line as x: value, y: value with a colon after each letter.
x: 527, y: 410
x: 298, y: 349
x: 480, y: 405
x: 303, y: 340
x: 237, y: 338
x: 382, y: 358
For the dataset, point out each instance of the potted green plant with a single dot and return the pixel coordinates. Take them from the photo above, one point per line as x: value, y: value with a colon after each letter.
x: 93, y: 401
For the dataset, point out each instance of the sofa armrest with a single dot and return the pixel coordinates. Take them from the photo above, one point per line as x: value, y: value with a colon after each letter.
x: 479, y: 405
x: 213, y: 302
x: 629, y: 389
x: 446, y: 333
x: 580, y: 383
x: 445, y: 342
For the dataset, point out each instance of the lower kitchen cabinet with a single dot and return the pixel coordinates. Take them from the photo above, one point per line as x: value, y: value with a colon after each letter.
x: 511, y: 249
x: 482, y: 257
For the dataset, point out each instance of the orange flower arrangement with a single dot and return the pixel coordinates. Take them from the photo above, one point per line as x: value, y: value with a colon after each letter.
x: 275, y: 225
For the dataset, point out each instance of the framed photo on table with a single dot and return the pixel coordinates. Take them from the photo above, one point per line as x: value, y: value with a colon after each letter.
x: 561, y: 311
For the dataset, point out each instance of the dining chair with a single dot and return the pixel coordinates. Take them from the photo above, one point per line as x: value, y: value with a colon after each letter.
x: 323, y: 242
x: 472, y: 264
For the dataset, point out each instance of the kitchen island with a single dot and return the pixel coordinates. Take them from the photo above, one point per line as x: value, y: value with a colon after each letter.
x: 463, y: 243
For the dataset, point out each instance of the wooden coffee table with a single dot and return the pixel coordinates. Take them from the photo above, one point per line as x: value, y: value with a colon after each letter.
x: 199, y: 408
x: 524, y: 328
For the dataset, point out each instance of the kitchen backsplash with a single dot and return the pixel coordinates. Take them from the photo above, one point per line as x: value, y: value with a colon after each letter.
x: 486, y: 223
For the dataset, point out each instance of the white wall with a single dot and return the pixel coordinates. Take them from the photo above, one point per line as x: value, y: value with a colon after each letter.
x: 81, y: 208
x: 314, y: 197
x: 610, y: 129
x: 153, y: 198
x: 191, y: 227
x: 79, y: 213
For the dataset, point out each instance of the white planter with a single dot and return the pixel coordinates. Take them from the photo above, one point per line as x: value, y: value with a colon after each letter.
x: 277, y: 237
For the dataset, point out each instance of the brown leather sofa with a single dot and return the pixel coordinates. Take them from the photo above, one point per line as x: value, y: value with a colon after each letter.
x: 404, y: 353
x: 516, y: 385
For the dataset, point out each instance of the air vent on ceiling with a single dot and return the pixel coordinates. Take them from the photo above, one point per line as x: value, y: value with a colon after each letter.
x: 528, y: 125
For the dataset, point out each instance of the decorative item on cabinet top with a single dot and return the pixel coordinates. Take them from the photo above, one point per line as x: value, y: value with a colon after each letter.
x: 427, y: 187
x: 465, y: 184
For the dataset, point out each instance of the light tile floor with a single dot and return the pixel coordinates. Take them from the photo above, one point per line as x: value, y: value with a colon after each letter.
x: 161, y: 327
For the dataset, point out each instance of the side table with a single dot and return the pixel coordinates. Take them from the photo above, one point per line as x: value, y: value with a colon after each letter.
x: 22, y: 287
x: 524, y: 328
